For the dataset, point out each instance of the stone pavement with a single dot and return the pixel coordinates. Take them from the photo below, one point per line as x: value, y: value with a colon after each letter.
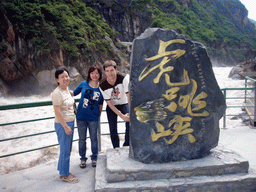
x: 45, y: 177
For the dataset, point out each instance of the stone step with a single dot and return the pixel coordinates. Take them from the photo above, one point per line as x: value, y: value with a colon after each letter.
x: 240, y: 182
x: 119, y: 167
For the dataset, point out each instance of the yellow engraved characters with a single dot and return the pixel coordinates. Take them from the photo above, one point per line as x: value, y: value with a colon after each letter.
x: 154, y: 110
x: 162, y: 50
x: 186, y: 101
x: 163, y: 53
x: 180, y: 126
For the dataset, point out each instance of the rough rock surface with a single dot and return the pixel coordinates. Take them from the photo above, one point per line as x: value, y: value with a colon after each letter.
x: 22, y: 66
x: 175, y: 101
x: 20, y: 61
x: 247, y: 68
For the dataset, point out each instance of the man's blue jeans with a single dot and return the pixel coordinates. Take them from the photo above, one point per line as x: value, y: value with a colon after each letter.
x: 65, y: 142
x: 82, y: 132
x: 112, y: 120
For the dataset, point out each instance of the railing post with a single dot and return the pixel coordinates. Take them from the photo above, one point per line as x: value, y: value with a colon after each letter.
x: 245, y: 92
x: 254, y: 103
x: 99, y: 136
x: 224, y: 116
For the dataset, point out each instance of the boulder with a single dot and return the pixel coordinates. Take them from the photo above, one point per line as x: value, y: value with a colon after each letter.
x: 247, y: 68
x: 175, y: 101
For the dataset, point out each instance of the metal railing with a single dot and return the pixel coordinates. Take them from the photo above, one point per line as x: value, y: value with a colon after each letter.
x: 250, y: 97
x: 246, y: 98
x: 39, y: 104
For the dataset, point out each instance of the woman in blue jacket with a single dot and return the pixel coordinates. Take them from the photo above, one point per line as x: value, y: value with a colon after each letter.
x: 88, y: 113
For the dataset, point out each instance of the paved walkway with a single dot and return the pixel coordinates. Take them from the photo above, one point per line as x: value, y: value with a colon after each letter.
x: 45, y: 177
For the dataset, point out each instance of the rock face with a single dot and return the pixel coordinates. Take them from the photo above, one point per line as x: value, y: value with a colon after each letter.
x: 247, y: 68
x: 175, y: 100
x: 21, y: 63
x: 121, y: 17
x: 25, y: 70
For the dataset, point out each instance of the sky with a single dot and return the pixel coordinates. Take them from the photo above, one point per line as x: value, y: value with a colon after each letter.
x: 250, y: 6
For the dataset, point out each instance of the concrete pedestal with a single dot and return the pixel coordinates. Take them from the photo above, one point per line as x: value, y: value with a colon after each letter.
x: 220, y: 171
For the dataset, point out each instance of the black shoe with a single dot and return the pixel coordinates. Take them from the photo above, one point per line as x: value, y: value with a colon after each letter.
x: 126, y: 144
x: 82, y: 164
x: 94, y: 163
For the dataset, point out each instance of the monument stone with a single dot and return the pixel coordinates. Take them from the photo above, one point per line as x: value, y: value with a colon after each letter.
x: 175, y: 108
x: 175, y: 101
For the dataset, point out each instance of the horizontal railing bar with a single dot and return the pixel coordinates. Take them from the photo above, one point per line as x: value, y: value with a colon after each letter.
x: 28, y: 105
x: 250, y: 77
x: 20, y: 137
x: 25, y: 105
x: 233, y: 106
x: 24, y: 136
x: 27, y: 121
x: 42, y: 133
x: 31, y: 135
x: 35, y: 149
x: 237, y: 88
x: 108, y: 133
x: 107, y: 122
x: 239, y: 97
x: 21, y: 152
x: 240, y: 115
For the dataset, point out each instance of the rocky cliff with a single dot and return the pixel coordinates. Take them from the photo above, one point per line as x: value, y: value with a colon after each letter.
x: 28, y: 70
x: 28, y: 57
x: 129, y: 22
x: 246, y: 68
x: 131, y: 18
x: 125, y: 17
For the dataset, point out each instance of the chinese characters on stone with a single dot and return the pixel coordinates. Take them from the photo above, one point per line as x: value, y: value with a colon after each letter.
x: 155, y: 110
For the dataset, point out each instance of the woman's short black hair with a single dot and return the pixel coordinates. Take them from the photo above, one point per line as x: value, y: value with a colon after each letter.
x: 91, y: 69
x: 60, y: 71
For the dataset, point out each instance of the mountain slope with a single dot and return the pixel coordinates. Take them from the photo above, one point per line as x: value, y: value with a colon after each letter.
x: 221, y: 25
x: 40, y: 35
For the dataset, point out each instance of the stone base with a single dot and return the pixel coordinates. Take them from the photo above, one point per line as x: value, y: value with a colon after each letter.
x: 220, y: 171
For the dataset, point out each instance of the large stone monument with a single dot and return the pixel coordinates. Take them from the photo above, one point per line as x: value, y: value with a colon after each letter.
x: 175, y: 108
x: 175, y: 101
